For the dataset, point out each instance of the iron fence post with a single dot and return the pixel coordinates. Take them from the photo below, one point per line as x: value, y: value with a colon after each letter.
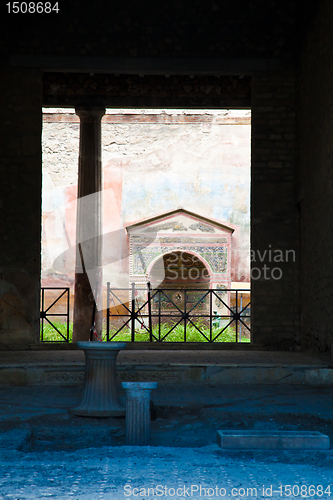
x: 185, y: 316
x: 133, y: 314
x: 210, y: 316
x: 108, y: 311
x: 240, y: 324
x: 236, y: 316
x: 68, y: 315
x: 159, y: 316
x: 43, y: 291
x: 150, y: 327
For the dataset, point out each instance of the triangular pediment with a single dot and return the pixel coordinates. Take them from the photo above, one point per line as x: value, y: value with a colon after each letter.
x: 181, y: 221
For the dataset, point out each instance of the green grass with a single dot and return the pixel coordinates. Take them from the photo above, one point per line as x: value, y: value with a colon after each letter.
x: 177, y: 334
x: 51, y: 335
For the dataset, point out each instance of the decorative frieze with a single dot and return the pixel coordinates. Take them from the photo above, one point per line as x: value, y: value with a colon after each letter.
x: 215, y: 256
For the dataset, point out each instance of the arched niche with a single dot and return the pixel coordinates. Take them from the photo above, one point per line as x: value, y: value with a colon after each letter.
x: 180, y: 269
x: 184, y: 278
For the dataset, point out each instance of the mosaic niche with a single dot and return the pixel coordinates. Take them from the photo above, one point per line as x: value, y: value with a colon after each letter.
x: 221, y: 295
x: 144, y: 252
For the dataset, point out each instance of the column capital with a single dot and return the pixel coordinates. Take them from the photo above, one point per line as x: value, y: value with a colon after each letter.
x: 90, y: 114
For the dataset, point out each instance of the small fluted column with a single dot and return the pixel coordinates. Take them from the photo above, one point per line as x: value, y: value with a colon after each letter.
x: 99, y: 397
x: 137, y: 427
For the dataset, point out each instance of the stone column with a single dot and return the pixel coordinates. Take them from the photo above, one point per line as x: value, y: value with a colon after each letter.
x: 88, y: 268
x: 137, y: 428
x: 99, y: 397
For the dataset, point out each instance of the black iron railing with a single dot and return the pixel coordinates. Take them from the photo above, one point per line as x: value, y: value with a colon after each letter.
x: 178, y: 314
x: 159, y: 315
x: 54, y: 309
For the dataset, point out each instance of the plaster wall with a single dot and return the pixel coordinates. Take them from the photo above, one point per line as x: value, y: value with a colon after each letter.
x: 151, y: 164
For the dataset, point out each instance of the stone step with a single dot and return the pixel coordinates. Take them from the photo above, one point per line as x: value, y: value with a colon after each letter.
x: 272, y: 440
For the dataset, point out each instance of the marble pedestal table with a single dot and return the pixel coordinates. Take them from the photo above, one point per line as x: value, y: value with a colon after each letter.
x: 137, y: 428
x: 99, y: 397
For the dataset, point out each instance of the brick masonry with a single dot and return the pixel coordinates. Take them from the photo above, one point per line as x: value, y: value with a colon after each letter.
x: 20, y: 220
x: 274, y: 301
x: 315, y: 179
x: 147, y: 90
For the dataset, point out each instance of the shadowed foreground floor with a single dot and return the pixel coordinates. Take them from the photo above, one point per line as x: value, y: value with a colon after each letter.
x: 47, y: 453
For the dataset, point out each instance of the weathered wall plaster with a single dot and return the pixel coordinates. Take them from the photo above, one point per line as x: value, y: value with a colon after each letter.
x: 152, y: 163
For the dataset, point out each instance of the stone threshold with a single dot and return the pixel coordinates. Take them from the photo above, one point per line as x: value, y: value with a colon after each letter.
x: 66, y: 367
x: 69, y: 374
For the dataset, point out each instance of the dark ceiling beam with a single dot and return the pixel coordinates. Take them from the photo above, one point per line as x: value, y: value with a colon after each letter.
x: 147, y: 66
x: 145, y: 102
